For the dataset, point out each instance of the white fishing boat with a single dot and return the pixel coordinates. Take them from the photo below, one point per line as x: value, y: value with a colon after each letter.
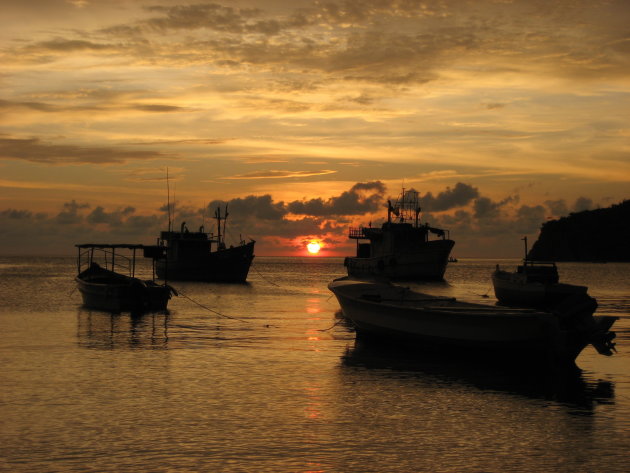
x: 533, y: 284
x: 402, y: 248
x: 385, y: 310
x: 104, y: 287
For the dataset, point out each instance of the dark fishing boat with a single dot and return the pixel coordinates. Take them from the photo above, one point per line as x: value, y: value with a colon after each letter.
x: 533, y: 284
x: 402, y: 247
x: 191, y: 256
x: 386, y: 311
x: 106, y: 288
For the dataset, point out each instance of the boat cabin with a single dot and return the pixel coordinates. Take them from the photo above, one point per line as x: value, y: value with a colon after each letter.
x: 539, y: 271
x: 186, y: 245
x: 392, y: 238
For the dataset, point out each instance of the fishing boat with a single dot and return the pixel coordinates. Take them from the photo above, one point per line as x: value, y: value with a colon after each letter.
x: 533, y: 284
x: 382, y: 310
x: 104, y: 287
x: 201, y: 256
x: 402, y: 248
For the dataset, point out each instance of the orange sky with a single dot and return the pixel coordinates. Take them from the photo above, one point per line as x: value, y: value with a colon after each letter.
x: 306, y: 116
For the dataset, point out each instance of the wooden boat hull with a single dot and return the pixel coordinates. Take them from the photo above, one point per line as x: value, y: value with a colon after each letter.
x: 427, y: 262
x: 228, y: 265
x: 513, y: 290
x: 105, y: 290
x: 433, y: 323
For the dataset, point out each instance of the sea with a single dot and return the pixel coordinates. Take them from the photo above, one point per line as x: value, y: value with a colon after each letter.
x: 267, y: 377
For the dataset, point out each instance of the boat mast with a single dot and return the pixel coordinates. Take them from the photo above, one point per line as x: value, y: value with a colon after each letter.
x: 407, y: 209
x: 217, y: 215
x: 402, y: 206
x: 225, y: 222
x: 168, y: 202
x: 525, y: 240
x: 203, y: 218
x: 221, y: 236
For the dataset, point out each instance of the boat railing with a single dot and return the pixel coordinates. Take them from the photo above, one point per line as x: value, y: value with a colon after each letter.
x: 110, y: 260
x: 357, y: 233
x: 444, y: 234
x: 169, y: 236
x: 529, y: 262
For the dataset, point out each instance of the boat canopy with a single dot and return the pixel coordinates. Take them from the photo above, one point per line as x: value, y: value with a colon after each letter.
x: 149, y: 251
x: 112, y: 246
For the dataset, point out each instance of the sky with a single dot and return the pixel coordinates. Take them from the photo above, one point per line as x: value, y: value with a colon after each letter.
x: 306, y: 116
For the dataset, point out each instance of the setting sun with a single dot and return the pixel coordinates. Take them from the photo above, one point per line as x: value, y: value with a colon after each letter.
x: 313, y: 247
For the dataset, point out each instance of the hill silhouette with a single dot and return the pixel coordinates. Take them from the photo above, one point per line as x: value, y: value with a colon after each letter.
x: 590, y: 235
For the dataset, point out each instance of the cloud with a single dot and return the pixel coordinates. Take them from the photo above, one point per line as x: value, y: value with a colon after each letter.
x: 265, y: 159
x: 106, y: 104
x: 461, y: 195
x: 16, y: 214
x: 487, y: 209
x: 261, y: 207
x: 38, y: 106
x: 529, y: 219
x: 582, y: 203
x: 197, y: 141
x: 35, y: 150
x: 398, y: 42
x: 27, y: 232
x: 115, y: 218
x: 493, y: 106
x: 70, y: 213
x: 481, y: 227
x: 69, y: 45
x: 277, y: 174
x: 263, y: 216
x: 209, y: 16
x: 78, y: 3
x: 157, y: 108
x: 362, y: 198
x: 557, y: 207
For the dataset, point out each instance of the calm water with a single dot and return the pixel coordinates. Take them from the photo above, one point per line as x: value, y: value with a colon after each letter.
x: 266, y: 377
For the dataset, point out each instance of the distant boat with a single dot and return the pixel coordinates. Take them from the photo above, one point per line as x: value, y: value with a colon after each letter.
x: 387, y: 311
x: 401, y: 248
x: 106, y: 288
x: 192, y: 257
x: 533, y: 284
x: 452, y: 259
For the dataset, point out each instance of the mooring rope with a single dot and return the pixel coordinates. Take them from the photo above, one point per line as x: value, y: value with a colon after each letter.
x: 264, y: 278
x: 219, y: 313
x: 334, y: 325
x: 209, y: 309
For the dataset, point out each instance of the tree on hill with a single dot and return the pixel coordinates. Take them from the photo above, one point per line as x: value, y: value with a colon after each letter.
x: 590, y: 235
